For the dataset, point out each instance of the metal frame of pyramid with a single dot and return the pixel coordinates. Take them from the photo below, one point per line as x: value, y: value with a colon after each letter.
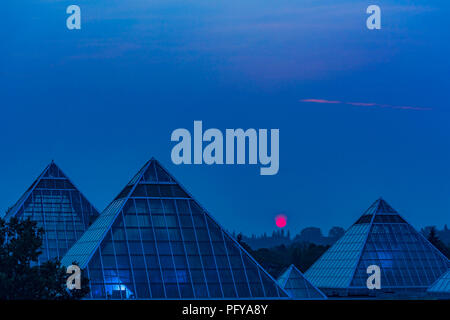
x: 51, y: 200
x: 408, y: 261
x: 298, y: 287
x: 154, y: 241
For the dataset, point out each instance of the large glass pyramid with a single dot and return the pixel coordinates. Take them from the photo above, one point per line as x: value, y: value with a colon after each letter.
x: 408, y: 262
x: 58, y: 207
x: 298, y: 287
x: 154, y: 241
x: 441, y: 287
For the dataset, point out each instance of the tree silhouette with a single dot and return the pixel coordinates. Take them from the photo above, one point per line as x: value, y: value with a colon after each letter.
x: 276, y: 259
x: 20, y: 276
x: 336, y: 232
x: 434, y: 239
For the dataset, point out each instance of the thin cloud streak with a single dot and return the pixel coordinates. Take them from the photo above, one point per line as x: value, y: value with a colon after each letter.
x: 362, y: 104
x: 365, y: 104
x: 319, y: 101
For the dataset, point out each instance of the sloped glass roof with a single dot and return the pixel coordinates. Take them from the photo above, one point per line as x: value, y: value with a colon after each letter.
x: 298, y: 287
x: 58, y: 207
x: 442, y: 285
x: 336, y: 266
x: 154, y: 241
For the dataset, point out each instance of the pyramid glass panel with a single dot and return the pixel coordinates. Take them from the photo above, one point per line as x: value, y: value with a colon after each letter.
x: 441, y: 286
x: 336, y: 266
x: 58, y: 207
x: 298, y: 287
x: 381, y: 237
x: 154, y: 241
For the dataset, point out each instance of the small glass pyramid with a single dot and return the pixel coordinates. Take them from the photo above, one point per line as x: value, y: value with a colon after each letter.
x: 298, y: 287
x: 441, y: 286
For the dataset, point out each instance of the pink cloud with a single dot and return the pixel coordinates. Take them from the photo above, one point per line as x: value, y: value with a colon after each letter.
x: 366, y: 104
x: 319, y: 101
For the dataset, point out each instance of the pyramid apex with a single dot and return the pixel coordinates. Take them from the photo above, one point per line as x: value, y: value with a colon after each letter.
x: 292, y: 267
x: 384, y: 207
x: 153, y: 159
x: 380, y: 206
x: 299, y: 287
x: 287, y: 270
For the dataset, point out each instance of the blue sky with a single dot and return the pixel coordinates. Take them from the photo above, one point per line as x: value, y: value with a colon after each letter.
x: 102, y: 100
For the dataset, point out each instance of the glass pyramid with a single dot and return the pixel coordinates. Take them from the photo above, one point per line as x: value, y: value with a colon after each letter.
x: 58, y: 207
x: 441, y: 286
x: 154, y: 241
x: 298, y: 287
x: 381, y: 237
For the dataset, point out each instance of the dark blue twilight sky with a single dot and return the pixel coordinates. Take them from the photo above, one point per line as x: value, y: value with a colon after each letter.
x: 102, y: 100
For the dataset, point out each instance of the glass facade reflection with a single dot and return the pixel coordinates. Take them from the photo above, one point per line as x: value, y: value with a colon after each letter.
x: 298, y: 287
x: 58, y: 207
x: 155, y: 242
x: 441, y: 286
x: 408, y: 262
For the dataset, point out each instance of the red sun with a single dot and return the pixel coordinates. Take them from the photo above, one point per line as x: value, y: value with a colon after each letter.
x: 280, y: 220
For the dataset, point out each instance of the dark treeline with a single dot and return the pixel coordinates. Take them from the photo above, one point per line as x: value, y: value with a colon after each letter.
x: 436, y: 238
x: 443, y: 235
x: 276, y: 259
x: 276, y: 252
x: 280, y: 237
x: 316, y: 236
